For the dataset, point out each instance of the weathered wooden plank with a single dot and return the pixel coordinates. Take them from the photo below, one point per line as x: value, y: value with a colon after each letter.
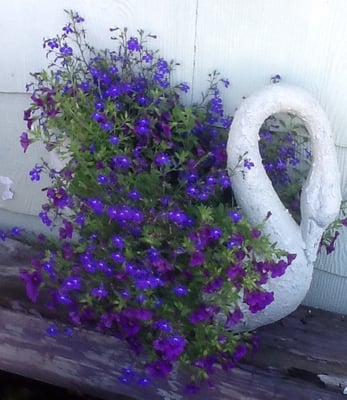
x: 90, y: 362
x: 309, y: 339
x: 304, y: 356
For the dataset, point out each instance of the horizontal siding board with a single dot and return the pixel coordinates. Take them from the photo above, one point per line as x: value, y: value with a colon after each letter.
x: 303, y: 40
x: 27, y: 23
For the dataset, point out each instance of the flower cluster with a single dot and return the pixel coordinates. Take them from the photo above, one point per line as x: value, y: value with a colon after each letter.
x: 150, y: 247
x: 285, y: 149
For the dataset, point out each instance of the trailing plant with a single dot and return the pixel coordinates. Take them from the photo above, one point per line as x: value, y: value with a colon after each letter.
x: 151, y: 248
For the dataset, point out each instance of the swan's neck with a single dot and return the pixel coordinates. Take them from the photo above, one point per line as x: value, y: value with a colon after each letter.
x: 320, y: 200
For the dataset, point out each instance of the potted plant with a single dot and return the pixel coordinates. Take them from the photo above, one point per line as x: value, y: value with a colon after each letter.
x: 151, y: 246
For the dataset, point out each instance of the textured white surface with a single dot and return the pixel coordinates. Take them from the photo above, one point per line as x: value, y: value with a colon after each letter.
x: 320, y: 199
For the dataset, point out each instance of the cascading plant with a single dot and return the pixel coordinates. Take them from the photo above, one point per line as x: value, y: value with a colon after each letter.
x: 151, y: 247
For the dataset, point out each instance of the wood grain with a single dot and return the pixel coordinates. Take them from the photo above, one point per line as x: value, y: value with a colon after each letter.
x: 292, y: 355
x: 304, y: 356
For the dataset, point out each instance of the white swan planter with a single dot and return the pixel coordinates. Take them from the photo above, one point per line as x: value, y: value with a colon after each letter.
x: 320, y: 199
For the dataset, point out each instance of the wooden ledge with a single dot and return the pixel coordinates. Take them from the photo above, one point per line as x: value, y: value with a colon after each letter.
x: 302, y: 357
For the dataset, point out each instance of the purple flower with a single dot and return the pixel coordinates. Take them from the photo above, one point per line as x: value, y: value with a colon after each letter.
x: 197, y: 259
x: 278, y: 269
x: 257, y: 300
x: 128, y: 376
x: 235, y: 216
x: 25, y: 141
x: 118, y: 241
x: 67, y: 29
x: 213, y: 286
x: 192, y: 191
x: 153, y: 254
x: 236, y: 239
x: 62, y: 298
x: 233, y: 318
x: 171, y: 347
x: 117, y: 257
x: 16, y: 231
x: 35, y: 172
x: 52, y: 330
x: 144, y: 381
x: 68, y: 331
x: 48, y: 267
x: 142, y: 126
x: 80, y: 219
x: 99, y: 292
x: 130, y: 327
x: 203, y: 313
x: 201, y: 238
x: 178, y: 216
x: 162, y: 66
x: 45, y: 218
x: 162, y: 265
x: 59, y: 197
x: 134, y: 194
x: 147, y: 57
x: 247, y: 163
x: 66, y: 50
x: 85, y: 86
x: 206, y: 363
x: 236, y: 272
x: 192, y: 388
x: 162, y: 159
x: 159, y: 369
x: 240, y: 352
x: 275, y: 78
x: 88, y: 262
x: 215, y: 232
x: 256, y: 233
x: 216, y: 105
x: 122, y: 162
x: 113, y: 69
x: 99, y: 117
x: 226, y: 82
x: 96, y: 205
x: 211, y: 180
x: 72, y: 283
x: 163, y: 326
x: 184, y: 87
x: 66, y: 230
x: 32, y: 282
x: 99, y: 106
x: 114, y: 140
x: 133, y: 44
x: 180, y: 290
x: 51, y: 43
x: 78, y: 18
x: 141, y: 314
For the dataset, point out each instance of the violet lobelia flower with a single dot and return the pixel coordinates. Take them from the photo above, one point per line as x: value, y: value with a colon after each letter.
x: 233, y: 318
x: 197, y: 259
x: 25, y: 141
x: 159, y: 369
x: 33, y: 282
x: 171, y: 347
x: 257, y: 300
